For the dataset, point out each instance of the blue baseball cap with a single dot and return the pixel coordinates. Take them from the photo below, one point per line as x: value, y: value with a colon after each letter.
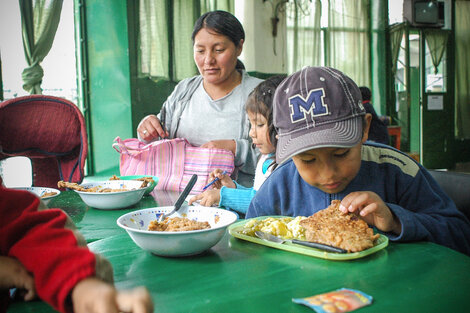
x: 316, y: 107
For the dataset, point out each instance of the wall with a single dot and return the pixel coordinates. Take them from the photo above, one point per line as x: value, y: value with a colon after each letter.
x: 108, y: 81
x: 379, y: 52
x: 260, y: 45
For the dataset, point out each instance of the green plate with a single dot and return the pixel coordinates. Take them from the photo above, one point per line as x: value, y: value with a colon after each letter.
x: 149, y: 188
x: 236, y: 231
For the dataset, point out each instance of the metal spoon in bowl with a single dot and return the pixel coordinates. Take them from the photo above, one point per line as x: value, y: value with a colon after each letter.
x: 181, y: 198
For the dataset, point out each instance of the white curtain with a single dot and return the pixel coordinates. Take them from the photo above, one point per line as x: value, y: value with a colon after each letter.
x: 339, y: 40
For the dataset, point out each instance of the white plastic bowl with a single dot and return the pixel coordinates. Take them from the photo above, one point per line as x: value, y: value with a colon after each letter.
x: 174, y: 244
x: 112, y: 200
x: 39, y: 191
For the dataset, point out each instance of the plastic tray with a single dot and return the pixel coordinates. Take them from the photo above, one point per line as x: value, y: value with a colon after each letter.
x: 236, y: 231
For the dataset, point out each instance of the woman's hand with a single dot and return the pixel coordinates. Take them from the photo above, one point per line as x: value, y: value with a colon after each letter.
x: 150, y: 128
x: 372, y: 210
x: 92, y: 295
x: 14, y: 275
x: 226, y: 144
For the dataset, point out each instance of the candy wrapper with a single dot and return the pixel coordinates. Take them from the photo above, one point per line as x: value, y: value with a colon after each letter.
x: 341, y: 300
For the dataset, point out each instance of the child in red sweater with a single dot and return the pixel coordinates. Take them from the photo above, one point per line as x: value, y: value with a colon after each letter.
x: 42, y: 253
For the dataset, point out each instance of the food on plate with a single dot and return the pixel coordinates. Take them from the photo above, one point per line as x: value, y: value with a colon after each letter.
x: 343, y: 230
x: 48, y: 194
x: 146, y: 180
x: 77, y: 187
x: 285, y: 227
x: 177, y: 224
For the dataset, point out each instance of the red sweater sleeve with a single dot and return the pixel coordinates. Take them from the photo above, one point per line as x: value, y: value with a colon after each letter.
x: 47, y: 244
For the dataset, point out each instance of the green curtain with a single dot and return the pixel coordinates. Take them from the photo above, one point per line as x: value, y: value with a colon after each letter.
x: 154, y: 44
x: 39, y: 22
x: 304, y: 44
x: 165, y: 46
x: 462, y: 69
x: 348, y: 39
x: 396, y: 36
x: 437, y: 43
x: 211, y: 5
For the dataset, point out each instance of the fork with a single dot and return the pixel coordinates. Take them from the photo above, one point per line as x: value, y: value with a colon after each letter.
x: 181, y: 198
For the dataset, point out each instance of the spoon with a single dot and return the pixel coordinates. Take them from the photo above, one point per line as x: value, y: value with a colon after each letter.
x: 181, y: 198
x: 316, y: 245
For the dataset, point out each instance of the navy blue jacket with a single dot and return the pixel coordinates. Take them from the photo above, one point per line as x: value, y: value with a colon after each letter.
x: 411, y: 193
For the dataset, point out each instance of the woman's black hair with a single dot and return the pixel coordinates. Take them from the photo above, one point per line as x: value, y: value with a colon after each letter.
x: 260, y: 101
x: 223, y: 23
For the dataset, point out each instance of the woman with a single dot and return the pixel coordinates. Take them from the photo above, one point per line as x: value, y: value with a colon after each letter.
x: 208, y: 109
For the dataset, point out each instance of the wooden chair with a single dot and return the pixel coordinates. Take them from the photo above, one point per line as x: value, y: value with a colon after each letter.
x: 50, y: 131
x: 395, y: 136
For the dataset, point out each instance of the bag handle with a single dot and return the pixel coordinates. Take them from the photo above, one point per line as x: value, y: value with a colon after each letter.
x: 120, y: 146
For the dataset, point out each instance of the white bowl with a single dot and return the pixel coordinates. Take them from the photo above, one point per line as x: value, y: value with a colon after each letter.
x: 183, y: 243
x: 39, y: 191
x: 112, y: 200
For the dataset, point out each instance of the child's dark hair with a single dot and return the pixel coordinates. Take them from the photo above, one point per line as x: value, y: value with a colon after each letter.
x: 260, y: 101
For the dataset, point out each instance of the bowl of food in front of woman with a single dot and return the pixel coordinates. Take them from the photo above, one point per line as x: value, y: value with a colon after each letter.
x: 109, y: 194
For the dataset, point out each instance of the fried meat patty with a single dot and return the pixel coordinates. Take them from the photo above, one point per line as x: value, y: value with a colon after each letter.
x: 343, y: 230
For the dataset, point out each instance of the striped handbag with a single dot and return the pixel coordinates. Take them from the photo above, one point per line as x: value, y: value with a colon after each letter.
x: 173, y: 161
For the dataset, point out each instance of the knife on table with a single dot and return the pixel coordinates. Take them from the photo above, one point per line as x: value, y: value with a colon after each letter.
x: 310, y: 244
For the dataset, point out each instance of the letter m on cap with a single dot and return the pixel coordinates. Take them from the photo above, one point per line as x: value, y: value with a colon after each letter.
x: 312, y: 105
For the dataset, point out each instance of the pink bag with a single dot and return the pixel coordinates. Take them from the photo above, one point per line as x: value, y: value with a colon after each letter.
x: 173, y: 161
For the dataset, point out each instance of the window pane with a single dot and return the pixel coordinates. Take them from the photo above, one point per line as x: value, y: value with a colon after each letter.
x: 59, y: 65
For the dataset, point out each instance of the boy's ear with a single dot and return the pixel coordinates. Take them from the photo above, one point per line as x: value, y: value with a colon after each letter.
x: 365, y: 131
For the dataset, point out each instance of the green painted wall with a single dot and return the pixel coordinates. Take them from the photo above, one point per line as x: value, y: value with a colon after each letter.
x: 379, y: 52
x: 110, y: 112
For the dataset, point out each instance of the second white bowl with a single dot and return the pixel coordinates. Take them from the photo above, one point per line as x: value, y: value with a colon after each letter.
x: 112, y: 200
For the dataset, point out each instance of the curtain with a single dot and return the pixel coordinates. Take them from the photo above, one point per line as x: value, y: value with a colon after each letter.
x: 343, y: 43
x: 211, y: 5
x: 396, y: 36
x: 1, y: 78
x: 304, y: 43
x: 348, y: 39
x: 462, y: 69
x: 39, y: 22
x: 437, y: 43
x: 154, y: 45
x: 165, y: 46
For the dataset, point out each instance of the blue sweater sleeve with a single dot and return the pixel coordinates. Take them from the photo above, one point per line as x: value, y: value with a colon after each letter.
x: 237, y: 199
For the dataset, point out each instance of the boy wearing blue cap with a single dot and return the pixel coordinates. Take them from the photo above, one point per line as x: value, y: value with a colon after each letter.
x: 323, y: 156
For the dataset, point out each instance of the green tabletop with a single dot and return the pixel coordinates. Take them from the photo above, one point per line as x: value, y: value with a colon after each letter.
x: 240, y: 276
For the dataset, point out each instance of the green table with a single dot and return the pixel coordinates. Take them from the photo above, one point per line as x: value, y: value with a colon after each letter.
x: 239, y: 276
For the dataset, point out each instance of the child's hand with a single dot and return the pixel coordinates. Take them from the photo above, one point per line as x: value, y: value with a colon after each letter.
x: 224, y: 179
x: 207, y: 198
x: 14, y: 275
x: 372, y: 210
x: 92, y: 295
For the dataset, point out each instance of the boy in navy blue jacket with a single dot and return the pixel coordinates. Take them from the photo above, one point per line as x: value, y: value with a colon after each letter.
x: 322, y: 155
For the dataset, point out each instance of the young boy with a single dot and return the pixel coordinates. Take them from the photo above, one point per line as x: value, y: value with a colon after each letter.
x: 322, y: 156
x: 43, y: 254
